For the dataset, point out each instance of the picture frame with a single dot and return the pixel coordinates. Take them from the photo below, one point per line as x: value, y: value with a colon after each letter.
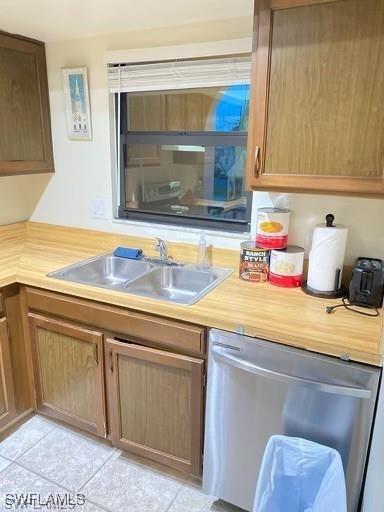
x: 78, y: 114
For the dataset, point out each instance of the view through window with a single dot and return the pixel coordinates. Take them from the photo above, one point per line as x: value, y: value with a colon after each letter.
x: 183, y: 155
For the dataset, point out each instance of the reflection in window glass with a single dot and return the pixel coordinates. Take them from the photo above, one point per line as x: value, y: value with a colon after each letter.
x: 231, y: 111
x: 184, y: 156
x: 203, y: 181
x: 212, y: 109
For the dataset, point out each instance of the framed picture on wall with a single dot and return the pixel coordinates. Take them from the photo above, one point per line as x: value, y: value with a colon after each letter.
x: 78, y: 112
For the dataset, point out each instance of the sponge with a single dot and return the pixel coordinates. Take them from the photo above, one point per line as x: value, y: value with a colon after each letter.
x: 128, y: 252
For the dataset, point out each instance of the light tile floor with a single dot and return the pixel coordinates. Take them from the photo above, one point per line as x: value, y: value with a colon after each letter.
x: 46, y: 458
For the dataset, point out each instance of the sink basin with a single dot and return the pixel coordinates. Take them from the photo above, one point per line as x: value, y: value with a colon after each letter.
x: 179, y: 285
x: 154, y: 279
x: 105, y: 271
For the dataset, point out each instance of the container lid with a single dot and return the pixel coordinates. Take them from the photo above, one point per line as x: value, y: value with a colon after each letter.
x: 293, y: 249
x: 273, y: 210
x: 249, y: 244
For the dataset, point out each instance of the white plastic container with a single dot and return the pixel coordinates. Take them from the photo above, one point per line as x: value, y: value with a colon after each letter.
x: 286, y: 267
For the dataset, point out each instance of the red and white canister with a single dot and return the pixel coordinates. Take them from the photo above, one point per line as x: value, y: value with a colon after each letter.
x: 286, y: 267
x: 272, y: 228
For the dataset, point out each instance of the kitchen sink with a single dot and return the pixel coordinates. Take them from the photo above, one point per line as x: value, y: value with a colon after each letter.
x: 106, y: 271
x: 180, y: 285
x: 177, y: 283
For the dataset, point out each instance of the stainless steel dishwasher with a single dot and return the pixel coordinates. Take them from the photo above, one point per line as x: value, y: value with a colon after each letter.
x: 258, y: 388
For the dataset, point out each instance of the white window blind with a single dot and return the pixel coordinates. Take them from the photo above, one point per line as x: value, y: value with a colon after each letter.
x: 186, y: 74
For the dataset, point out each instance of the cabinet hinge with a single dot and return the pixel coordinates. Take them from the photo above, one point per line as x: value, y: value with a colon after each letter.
x: 205, y: 380
x: 111, y: 361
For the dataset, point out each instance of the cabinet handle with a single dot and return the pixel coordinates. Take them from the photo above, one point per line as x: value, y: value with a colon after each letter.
x: 96, y: 355
x: 257, y: 161
x: 111, y: 361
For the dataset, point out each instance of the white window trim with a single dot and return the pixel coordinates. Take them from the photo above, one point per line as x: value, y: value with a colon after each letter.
x: 198, y: 50
x: 186, y: 51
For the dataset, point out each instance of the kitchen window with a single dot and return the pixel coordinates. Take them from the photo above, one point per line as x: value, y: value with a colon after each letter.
x: 182, y: 135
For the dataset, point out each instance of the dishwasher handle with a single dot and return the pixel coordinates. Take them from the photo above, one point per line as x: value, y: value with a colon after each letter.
x: 231, y: 360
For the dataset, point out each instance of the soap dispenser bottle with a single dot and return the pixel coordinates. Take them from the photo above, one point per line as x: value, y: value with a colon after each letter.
x: 203, y: 260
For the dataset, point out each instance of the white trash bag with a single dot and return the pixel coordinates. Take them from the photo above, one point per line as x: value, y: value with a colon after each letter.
x: 297, y: 475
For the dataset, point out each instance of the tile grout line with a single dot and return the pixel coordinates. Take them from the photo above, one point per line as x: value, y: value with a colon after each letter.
x: 96, y: 472
x: 100, y: 468
x: 59, y: 427
x: 18, y: 462
x: 182, y: 479
x: 33, y: 446
x: 44, y: 477
x: 28, y: 449
x: 174, y: 498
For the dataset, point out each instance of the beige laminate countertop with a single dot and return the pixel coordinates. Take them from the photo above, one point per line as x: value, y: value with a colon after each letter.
x: 28, y: 251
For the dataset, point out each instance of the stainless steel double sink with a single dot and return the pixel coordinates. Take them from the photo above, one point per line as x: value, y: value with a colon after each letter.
x: 181, y: 284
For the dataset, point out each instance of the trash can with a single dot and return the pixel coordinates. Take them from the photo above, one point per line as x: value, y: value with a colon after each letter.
x: 297, y: 475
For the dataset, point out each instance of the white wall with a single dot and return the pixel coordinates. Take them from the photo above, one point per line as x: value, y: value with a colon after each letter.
x: 83, y: 169
x: 19, y: 196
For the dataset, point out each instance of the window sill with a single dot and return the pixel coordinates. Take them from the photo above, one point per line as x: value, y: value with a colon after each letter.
x: 222, y: 239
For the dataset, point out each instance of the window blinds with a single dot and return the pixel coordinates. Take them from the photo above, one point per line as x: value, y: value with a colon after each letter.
x: 186, y: 74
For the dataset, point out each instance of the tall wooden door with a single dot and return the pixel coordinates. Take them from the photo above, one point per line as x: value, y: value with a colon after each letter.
x: 156, y: 404
x: 7, y: 395
x: 25, y: 142
x: 68, y: 371
x: 316, y: 116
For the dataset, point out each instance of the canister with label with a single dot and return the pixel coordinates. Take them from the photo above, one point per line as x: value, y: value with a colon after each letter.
x: 254, y: 262
x: 272, y: 228
x: 286, y: 266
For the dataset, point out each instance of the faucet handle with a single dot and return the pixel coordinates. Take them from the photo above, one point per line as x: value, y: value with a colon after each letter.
x: 158, y: 243
x: 161, y: 246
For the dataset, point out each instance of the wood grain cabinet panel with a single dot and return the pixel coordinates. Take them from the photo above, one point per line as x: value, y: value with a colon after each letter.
x: 179, y: 336
x: 25, y: 143
x: 156, y: 404
x: 68, y: 370
x: 317, y: 121
x: 7, y: 395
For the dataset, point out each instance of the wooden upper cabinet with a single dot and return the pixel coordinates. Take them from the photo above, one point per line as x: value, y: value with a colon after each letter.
x: 68, y: 372
x: 7, y: 395
x: 25, y: 141
x: 156, y: 404
x: 316, y: 114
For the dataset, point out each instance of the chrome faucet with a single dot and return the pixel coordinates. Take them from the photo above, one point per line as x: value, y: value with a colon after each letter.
x: 161, y: 247
x: 164, y: 259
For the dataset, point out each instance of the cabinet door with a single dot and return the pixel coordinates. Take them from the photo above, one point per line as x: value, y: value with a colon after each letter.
x: 316, y: 116
x: 25, y: 144
x: 7, y: 395
x: 68, y: 371
x: 156, y: 404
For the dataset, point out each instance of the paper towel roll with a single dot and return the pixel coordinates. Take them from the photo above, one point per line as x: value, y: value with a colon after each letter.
x: 326, y: 257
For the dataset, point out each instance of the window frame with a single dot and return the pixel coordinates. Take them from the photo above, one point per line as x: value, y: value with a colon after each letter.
x: 194, y: 138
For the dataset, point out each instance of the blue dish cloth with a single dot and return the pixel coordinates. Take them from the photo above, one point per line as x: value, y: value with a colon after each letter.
x: 128, y: 252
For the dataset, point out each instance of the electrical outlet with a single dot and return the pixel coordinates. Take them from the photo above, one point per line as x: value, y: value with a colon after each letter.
x: 99, y: 208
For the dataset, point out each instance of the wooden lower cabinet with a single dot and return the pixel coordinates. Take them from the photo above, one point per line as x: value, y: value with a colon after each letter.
x: 154, y: 395
x: 156, y: 404
x: 68, y: 372
x: 7, y: 395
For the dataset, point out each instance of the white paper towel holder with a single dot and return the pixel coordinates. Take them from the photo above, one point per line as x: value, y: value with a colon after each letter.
x: 334, y: 294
